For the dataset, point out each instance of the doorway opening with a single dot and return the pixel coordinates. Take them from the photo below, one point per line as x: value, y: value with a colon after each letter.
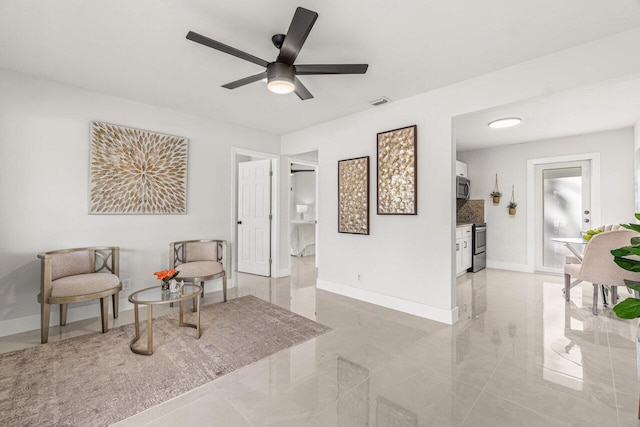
x: 303, y: 206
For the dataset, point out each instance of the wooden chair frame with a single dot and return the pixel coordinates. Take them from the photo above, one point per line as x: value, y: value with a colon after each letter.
x: 101, y: 258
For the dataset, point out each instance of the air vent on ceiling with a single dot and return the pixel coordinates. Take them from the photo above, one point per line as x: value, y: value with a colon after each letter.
x: 380, y: 101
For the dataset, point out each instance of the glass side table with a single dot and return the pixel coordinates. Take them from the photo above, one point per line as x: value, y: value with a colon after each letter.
x: 156, y: 296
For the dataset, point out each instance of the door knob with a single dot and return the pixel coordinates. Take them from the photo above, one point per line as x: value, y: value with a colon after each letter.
x: 586, y: 212
x: 239, y: 222
x: 586, y: 220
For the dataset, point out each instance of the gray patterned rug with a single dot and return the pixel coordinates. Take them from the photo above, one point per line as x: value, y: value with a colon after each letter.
x: 95, y: 379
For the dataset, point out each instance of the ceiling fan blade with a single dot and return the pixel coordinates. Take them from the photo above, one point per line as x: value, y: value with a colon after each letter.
x: 306, y: 70
x: 198, y: 38
x: 302, y: 92
x: 299, y: 29
x: 246, y: 80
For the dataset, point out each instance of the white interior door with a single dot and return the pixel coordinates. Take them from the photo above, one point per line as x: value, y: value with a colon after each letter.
x: 563, y: 209
x: 254, y: 217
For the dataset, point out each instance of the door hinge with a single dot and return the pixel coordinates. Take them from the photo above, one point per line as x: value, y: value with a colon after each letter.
x: 270, y: 261
x: 270, y: 173
x: 270, y: 217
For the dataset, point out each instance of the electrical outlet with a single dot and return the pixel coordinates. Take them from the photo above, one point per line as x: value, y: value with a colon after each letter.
x: 126, y: 284
x: 360, y: 276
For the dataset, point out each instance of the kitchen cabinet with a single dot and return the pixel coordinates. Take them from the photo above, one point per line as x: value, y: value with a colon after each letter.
x: 461, y: 169
x: 467, y: 253
x: 464, y: 249
x: 458, y: 257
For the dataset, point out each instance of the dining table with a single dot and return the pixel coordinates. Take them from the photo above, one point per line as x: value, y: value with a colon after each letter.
x: 574, y: 244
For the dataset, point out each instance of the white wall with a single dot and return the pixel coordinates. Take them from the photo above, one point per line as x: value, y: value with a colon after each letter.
x: 507, y: 235
x: 408, y: 261
x: 44, y: 142
x: 311, y: 156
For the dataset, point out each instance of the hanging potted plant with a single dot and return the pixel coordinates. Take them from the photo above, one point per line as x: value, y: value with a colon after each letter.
x: 496, y: 194
x: 512, y: 204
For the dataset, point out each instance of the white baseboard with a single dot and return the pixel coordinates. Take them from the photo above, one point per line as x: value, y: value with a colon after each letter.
x: 499, y: 265
x: 411, y: 307
x: 87, y: 311
x: 30, y: 323
x: 283, y: 272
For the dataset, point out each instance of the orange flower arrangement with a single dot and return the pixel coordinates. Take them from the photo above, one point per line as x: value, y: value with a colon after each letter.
x: 166, y: 275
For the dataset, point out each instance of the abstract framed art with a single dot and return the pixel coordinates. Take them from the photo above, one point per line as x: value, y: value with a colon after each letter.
x: 397, y: 184
x: 353, y: 195
x: 134, y: 171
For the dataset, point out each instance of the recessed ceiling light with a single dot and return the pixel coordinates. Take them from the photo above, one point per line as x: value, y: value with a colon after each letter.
x: 505, y: 123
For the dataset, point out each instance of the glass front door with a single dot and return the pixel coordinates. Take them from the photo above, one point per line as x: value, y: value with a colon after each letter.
x: 563, y: 205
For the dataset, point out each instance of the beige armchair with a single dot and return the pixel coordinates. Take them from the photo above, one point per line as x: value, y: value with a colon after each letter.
x: 199, y: 261
x: 75, y: 275
x: 597, y: 266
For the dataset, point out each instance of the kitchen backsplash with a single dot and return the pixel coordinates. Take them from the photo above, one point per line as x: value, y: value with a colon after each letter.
x: 470, y: 211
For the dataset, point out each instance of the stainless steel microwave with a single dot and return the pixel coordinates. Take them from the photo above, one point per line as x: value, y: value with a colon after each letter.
x: 463, y: 187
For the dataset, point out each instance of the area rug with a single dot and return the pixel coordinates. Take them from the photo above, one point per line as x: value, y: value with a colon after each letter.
x: 95, y: 379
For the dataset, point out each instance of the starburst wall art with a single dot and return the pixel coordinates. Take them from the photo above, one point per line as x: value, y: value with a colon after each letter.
x: 136, y: 171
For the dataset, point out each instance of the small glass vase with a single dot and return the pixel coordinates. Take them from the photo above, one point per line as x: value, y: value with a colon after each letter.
x: 174, y: 286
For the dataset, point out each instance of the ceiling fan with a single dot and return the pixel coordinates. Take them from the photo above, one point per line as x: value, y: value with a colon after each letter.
x: 282, y: 74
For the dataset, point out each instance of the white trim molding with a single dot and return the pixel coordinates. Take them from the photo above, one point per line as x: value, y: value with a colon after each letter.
x: 500, y: 265
x: 283, y: 272
x: 87, y: 311
x: 410, y: 307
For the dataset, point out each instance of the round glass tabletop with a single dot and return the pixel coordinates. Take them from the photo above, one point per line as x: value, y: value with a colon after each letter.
x: 576, y: 240
x: 156, y: 295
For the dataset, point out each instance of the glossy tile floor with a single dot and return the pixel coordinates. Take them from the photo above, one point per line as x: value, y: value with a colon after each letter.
x: 518, y: 356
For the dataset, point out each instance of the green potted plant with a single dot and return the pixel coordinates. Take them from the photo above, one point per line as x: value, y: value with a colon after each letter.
x: 630, y: 307
x: 496, y: 194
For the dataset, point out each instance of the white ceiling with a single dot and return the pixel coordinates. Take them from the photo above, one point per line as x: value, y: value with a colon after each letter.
x: 585, y: 110
x: 137, y: 49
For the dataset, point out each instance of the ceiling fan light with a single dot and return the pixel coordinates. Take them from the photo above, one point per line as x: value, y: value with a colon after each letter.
x: 281, y: 77
x: 505, y: 123
x: 281, y: 86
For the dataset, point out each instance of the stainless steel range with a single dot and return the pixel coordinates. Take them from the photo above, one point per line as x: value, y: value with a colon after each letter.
x: 479, y: 247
